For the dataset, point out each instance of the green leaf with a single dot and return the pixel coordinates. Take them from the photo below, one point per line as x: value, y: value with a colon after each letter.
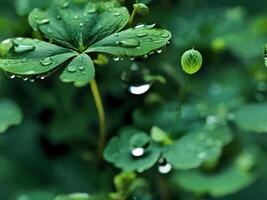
x: 119, y: 151
x: 227, y: 181
x: 77, y: 26
x: 10, y: 114
x: 252, y: 118
x: 195, y: 148
x: 24, y: 7
x: 31, y: 57
x: 80, y: 71
x: 134, y: 42
x: 158, y: 135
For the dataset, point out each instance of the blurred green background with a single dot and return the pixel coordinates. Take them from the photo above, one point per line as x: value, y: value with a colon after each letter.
x: 53, y: 150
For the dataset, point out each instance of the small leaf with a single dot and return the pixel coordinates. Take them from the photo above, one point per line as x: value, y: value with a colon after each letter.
x: 80, y: 71
x: 76, y: 26
x: 252, y: 118
x: 134, y: 42
x: 30, y: 57
x: 121, y: 151
x: 197, y: 147
x: 158, y: 135
x: 10, y: 115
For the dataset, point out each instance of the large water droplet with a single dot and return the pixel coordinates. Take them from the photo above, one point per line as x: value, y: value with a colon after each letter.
x: 140, y: 89
x: 164, y: 167
x: 130, y: 43
x: 138, y: 152
x: 12, y: 76
x: 72, y: 69
x: 116, y: 58
x: 47, y: 61
x: 43, y: 21
x: 23, y: 48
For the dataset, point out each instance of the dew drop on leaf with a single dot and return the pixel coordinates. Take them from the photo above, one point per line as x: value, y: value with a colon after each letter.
x: 138, y: 152
x: 116, y: 58
x: 25, y: 78
x: 58, y: 17
x: 72, y: 69
x: 43, y: 21
x: 130, y: 43
x: 65, y: 5
x: 81, y: 68
x: 117, y: 14
x: 12, y: 76
x: 141, y: 34
x: 47, y: 61
x: 23, y: 48
x: 91, y: 11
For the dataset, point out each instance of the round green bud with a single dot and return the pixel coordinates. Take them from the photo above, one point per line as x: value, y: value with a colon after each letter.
x: 141, y: 8
x: 191, y: 61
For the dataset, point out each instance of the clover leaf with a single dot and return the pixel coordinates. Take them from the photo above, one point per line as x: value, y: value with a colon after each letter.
x: 10, y: 115
x: 78, y: 29
x: 194, y: 148
x: 132, y: 150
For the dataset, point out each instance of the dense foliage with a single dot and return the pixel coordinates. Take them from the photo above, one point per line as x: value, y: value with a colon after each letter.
x: 177, y: 107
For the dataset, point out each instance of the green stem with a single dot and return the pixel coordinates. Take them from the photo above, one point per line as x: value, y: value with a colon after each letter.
x: 101, y: 117
x: 131, y: 20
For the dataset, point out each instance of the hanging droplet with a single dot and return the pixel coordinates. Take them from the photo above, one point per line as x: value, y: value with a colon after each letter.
x: 23, y: 48
x: 72, y: 69
x: 12, y: 76
x: 159, y: 50
x: 42, y: 77
x: 25, y: 78
x: 132, y: 58
x: 138, y: 90
x: 65, y: 5
x: 47, y: 61
x: 164, y: 167
x: 138, y: 152
x: 43, y: 21
x: 116, y: 58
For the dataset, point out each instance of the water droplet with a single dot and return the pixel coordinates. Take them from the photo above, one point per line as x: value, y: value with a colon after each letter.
x: 202, y: 155
x: 72, y: 69
x: 23, y: 48
x: 65, y: 5
x: 25, y: 78
x: 138, y: 90
x: 7, y: 41
x: 151, y: 25
x: 12, y: 76
x: 81, y: 68
x: 76, y: 17
x: 165, y: 34
x: 130, y: 43
x: 24, y: 60
x: 47, y: 61
x: 43, y: 21
x: 117, y: 14
x: 42, y: 77
x: 32, y: 80
x: 138, y: 152
x: 159, y: 50
x: 92, y: 11
x: 145, y: 56
x: 81, y: 24
x: 139, y: 26
x: 58, y: 17
x: 132, y: 58
x: 116, y: 59
x: 211, y: 120
x: 164, y: 167
x: 141, y: 34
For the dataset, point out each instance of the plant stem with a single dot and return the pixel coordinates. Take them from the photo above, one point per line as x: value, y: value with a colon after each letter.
x: 101, y: 117
x: 131, y: 20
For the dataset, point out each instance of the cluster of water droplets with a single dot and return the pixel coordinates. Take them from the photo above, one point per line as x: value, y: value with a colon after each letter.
x: 135, y: 79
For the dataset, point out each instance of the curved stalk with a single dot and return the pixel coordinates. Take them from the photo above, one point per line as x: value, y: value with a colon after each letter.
x: 101, y: 117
